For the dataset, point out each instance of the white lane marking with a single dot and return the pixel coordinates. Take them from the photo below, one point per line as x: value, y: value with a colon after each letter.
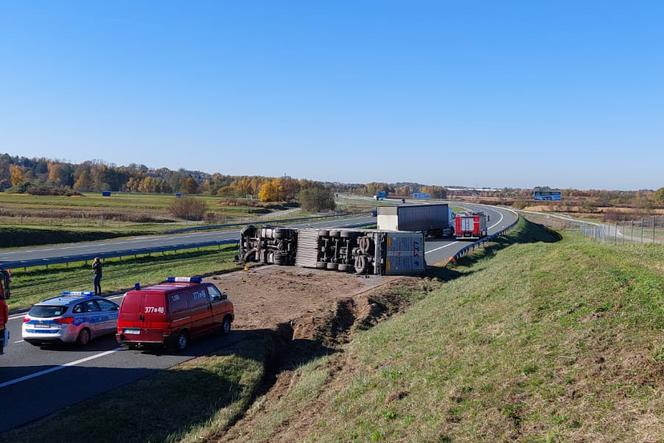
x: 19, y: 341
x: 499, y: 220
x: 57, y: 368
x: 441, y: 247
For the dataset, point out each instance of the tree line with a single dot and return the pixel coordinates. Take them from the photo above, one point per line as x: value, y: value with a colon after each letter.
x: 48, y: 176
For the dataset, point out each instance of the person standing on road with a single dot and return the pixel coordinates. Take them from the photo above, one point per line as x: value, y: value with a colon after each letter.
x: 96, y: 268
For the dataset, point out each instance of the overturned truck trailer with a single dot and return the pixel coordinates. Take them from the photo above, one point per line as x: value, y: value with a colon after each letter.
x: 363, y: 251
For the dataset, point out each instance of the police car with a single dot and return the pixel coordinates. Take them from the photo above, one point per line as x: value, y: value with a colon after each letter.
x: 73, y: 317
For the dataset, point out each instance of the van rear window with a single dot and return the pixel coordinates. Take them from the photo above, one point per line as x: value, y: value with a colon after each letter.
x: 47, y: 311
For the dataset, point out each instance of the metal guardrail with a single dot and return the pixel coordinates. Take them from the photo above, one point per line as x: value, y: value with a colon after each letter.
x: 113, y: 254
x: 476, y: 244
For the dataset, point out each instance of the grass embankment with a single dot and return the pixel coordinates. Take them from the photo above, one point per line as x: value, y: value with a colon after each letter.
x: 188, y: 402
x: 16, y: 236
x: 545, y: 341
x: 35, y: 284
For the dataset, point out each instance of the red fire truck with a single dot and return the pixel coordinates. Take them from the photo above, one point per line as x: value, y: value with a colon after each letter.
x: 470, y: 226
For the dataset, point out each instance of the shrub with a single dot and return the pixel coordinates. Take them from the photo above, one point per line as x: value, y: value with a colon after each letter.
x: 316, y: 199
x: 188, y: 208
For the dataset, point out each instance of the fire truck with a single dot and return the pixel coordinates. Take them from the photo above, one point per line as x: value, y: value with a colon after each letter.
x: 470, y: 226
x: 5, y: 279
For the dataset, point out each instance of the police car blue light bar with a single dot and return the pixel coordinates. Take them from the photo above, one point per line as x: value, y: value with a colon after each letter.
x: 77, y: 293
x: 185, y: 279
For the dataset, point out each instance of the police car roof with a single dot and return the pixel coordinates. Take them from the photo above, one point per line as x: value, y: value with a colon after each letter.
x: 65, y: 300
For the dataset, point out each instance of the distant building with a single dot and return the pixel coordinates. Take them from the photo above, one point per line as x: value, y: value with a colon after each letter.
x: 546, y: 193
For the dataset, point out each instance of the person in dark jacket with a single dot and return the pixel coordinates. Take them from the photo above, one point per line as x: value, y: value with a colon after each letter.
x: 96, y: 268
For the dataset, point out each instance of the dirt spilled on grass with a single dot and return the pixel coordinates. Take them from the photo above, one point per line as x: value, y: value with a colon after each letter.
x: 311, y: 314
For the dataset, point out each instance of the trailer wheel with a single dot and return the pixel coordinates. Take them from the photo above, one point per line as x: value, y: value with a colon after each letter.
x: 320, y: 265
x: 365, y: 244
x: 360, y: 264
x: 332, y: 266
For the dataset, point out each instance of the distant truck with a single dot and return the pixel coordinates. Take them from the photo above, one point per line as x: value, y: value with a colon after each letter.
x: 380, y: 195
x: 362, y: 251
x: 433, y: 220
x: 470, y: 226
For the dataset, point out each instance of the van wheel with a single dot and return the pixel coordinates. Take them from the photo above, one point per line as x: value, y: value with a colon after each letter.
x: 182, y: 341
x: 226, y: 326
x: 83, y: 337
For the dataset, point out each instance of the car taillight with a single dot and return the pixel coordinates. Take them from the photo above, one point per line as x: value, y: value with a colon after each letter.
x: 64, y: 320
x: 26, y: 319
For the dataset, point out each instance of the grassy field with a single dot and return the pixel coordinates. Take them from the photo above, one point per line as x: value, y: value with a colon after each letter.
x: 35, y: 284
x: 532, y: 340
x: 27, y: 220
x: 120, y: 214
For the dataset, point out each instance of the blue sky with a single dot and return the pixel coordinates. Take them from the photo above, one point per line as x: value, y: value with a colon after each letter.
x: 493, y: 93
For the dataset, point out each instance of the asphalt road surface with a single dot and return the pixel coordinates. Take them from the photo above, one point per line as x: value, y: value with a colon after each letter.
x: 36, y: 382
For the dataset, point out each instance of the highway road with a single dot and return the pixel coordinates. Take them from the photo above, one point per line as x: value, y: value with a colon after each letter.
x: 36, y: 382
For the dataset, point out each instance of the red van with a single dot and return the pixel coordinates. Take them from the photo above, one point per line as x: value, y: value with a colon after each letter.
x: 173, y: 312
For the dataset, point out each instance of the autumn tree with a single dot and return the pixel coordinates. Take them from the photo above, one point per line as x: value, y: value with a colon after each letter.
x: 189, y: 185
x: 17, y: 174
x: 59, y: 174
x: 84, y: 180
x: 269, y: 191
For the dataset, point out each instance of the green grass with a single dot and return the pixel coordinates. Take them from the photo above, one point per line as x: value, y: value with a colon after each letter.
x: 185, y: 403
x: 35, y: 284
x: 136, y: 202
x: 16, y: 236
x: 533, y: 339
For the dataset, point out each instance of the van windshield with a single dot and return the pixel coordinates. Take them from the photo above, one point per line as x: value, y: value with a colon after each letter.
x: 47, y: 311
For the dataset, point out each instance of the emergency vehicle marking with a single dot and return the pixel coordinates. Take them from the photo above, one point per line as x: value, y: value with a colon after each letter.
x: 154, y: 309
x: 199, y: 295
